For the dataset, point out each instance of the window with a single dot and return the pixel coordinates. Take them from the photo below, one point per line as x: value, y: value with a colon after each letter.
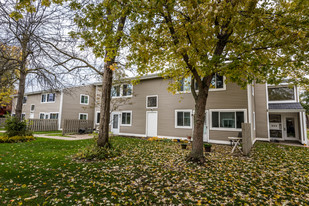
x: 183, y: 119
x: 53, y: 116
x: 116, y: 91
x: 84, y: 99
x: 281, y: 94
x: 126, y: 118
x: 32, y: 107
x: 43, y: 99
x: 23, y: 116
x: 152, y: 101
x: 98, y: 117
x: 126, y: 90
x: 217, y: 82
x: 83, y: 116
x: 42, y: 115
x: 48, y: 97
x: 227, y: 119
x: 185, y: 85
x: 24, y: 100
x: 275, y: 126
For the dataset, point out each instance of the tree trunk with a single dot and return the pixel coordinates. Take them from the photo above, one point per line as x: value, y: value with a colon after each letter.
x: 22, y: 78
x: 20, y: 95
x: 197, y: 154
x: 107, y: 81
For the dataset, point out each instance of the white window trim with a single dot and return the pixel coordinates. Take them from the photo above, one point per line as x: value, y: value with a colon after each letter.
x: 126, y: 125
x: 80, y: 99
x: 156, y: 104
x: 210, y: 89
x: 184, y: 110
x: 96, y: 117
x: 219, y: 89
x: 83, y: 114
x: 31, y: 107
x: 227, y: 110
x: 121, y: 91
x: 46, y: 102
x: 282, y: 101
x: 253, y: 119
x: 45, y: 113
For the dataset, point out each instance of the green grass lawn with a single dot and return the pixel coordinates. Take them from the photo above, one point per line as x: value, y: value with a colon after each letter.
x: 42, y: 172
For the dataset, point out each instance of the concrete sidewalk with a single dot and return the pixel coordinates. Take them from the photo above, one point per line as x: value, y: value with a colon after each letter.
x: 69, y: 138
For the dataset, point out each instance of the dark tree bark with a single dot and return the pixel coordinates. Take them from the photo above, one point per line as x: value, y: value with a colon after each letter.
x: 22, y: 78
x: 107, y: 81
x: 196, y: 154
x: 20, y: 95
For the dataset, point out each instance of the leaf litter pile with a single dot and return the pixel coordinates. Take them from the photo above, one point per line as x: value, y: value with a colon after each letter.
x: 150, y: 173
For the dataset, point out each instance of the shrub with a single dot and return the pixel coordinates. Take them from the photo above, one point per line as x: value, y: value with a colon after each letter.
x: 93, y: 152
x: 207, y: 145
x: 14, y: 139
x: 14, y: 127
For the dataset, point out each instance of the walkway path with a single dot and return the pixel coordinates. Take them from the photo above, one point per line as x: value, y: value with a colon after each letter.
x: 70, y: 137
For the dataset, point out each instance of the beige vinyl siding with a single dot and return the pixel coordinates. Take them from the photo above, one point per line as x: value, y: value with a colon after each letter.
x: 40, y: 107
x: 232, y: 98
x: 261, y: 111
x: 71, y: 102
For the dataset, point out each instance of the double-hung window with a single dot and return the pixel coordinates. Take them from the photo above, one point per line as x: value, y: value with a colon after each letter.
x: 84, y: 99
x: 116, y: 91
x: 217, y: 82
x: 53, y: 116
x: 123, y: 90
x: 227, y: 120
x: 183, y: 119
x: 83, y: 116
x: 50, y: 97
x: 44, y: 115
x: 126, y: 118
x: 126, y: 90
x: 184, y: 85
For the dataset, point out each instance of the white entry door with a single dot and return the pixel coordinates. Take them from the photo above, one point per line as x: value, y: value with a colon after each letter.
x: 206, y: 128
x: 115, y: 122
x: 151, y: 123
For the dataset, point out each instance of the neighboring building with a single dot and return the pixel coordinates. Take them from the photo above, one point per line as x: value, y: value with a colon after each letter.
x: 148, y: 109
x: 69, y: 103
x: 5, y: 109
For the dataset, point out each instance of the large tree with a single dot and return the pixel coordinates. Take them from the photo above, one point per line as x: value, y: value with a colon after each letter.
x: 28, y: 30
x: 244, y: 40
x: 102, y: 25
